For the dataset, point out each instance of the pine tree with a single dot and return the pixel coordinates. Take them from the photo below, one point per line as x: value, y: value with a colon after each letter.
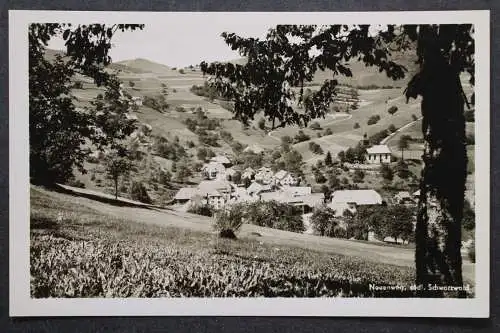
x: 328, y: 159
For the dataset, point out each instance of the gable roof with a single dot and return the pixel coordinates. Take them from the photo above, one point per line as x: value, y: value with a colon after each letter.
x: 209, y: 186
x: 256, y: 188
x: 314, y: 199
x: 280, y: 174
x: 186, y: 193
x: 214, y: 165
x: 360, y: 197
x: 220, y: 159
x: 298, y: 190
x: 378, y: 149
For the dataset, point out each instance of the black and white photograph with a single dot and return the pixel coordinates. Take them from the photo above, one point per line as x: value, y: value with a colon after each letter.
x: 314, y: 164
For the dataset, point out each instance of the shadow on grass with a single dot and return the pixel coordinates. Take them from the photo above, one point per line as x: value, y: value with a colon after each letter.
x: 99, y: 198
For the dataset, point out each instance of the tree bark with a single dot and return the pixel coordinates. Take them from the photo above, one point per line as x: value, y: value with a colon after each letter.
x: 116, y: 188
x: 440, y: 208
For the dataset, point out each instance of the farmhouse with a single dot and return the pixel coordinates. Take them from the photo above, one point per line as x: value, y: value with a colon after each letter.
x: 350, y: 199
x: 256, y: 188
x: 264, y: 175
x: 185, y: 194
x: 248, y: 173
x: 289, y: 180
x: 378, y: 154
x: 213, y: 170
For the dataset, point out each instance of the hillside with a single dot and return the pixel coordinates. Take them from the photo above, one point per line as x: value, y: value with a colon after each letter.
x: 344, y: 127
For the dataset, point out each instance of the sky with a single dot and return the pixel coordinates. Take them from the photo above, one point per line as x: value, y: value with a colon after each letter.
x: 178, y: 45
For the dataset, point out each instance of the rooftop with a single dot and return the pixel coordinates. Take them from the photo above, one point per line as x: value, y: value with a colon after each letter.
x: 378, y: 149
x: 360, y: 197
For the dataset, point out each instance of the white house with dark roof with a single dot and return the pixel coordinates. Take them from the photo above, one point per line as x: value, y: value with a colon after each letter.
x: 264, y: 175
x: 213, y: 170
x: 248, y: 173
x: 378, y: 154
x: 289, y: 180
x: 350, y: 199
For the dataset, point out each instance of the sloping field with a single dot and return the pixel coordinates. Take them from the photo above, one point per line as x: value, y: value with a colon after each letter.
x: 370, y: 252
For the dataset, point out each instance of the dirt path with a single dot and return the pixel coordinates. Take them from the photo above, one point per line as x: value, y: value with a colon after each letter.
x: 164, y: 217
x: 344, y: 117
x: 399, y: 130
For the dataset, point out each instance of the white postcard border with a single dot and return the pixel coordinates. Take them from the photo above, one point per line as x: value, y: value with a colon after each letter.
x: 19, y: 298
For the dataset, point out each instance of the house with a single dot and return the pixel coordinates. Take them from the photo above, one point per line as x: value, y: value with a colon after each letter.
x: 213, y: 170
x: 215, y: 193
x: 254, y: 148
x: 206, y: 187
x: 137, y: 100
x: 222, y: 160
x: 378, y: 154
x: 264, y: 175
x: 255, y: 189
x: 216, y: 199
x: 403, y: 198
x: 289, y: 180
x: 350, y: 199
x: 185, y: 194
x: 248, y: 173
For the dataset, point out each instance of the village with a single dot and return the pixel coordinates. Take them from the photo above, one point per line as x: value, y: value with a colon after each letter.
x: 220, y: 188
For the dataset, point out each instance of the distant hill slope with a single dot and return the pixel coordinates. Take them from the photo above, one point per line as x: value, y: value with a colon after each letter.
x: 140, y: 65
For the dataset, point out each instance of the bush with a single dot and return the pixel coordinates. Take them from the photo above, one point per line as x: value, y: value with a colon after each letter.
x: 319, y: 177
x: 393, y: 109
x: 377, y: 137
x: 201, y: 209
x: 373, y: 120
x: 402, y: 170
x: 273, y: 214
x: 356, y: 126
x: 358, y: 177
x: 386, y: 172
x: 315, y: 148
x: 301, y: 137
x: 328, y: 131
x: 210, y: 139
x: 138, y: 192
x: 181, y: 71
x: 414, y: 117
x: 226, y: 136
x: 315, y: 126
x: 325, y: 222
x: 392, y: 128
x: 228, y: 221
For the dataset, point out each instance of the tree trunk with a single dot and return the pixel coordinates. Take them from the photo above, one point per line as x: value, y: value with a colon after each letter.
x: 440, y: 208
x: 116, y: 188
